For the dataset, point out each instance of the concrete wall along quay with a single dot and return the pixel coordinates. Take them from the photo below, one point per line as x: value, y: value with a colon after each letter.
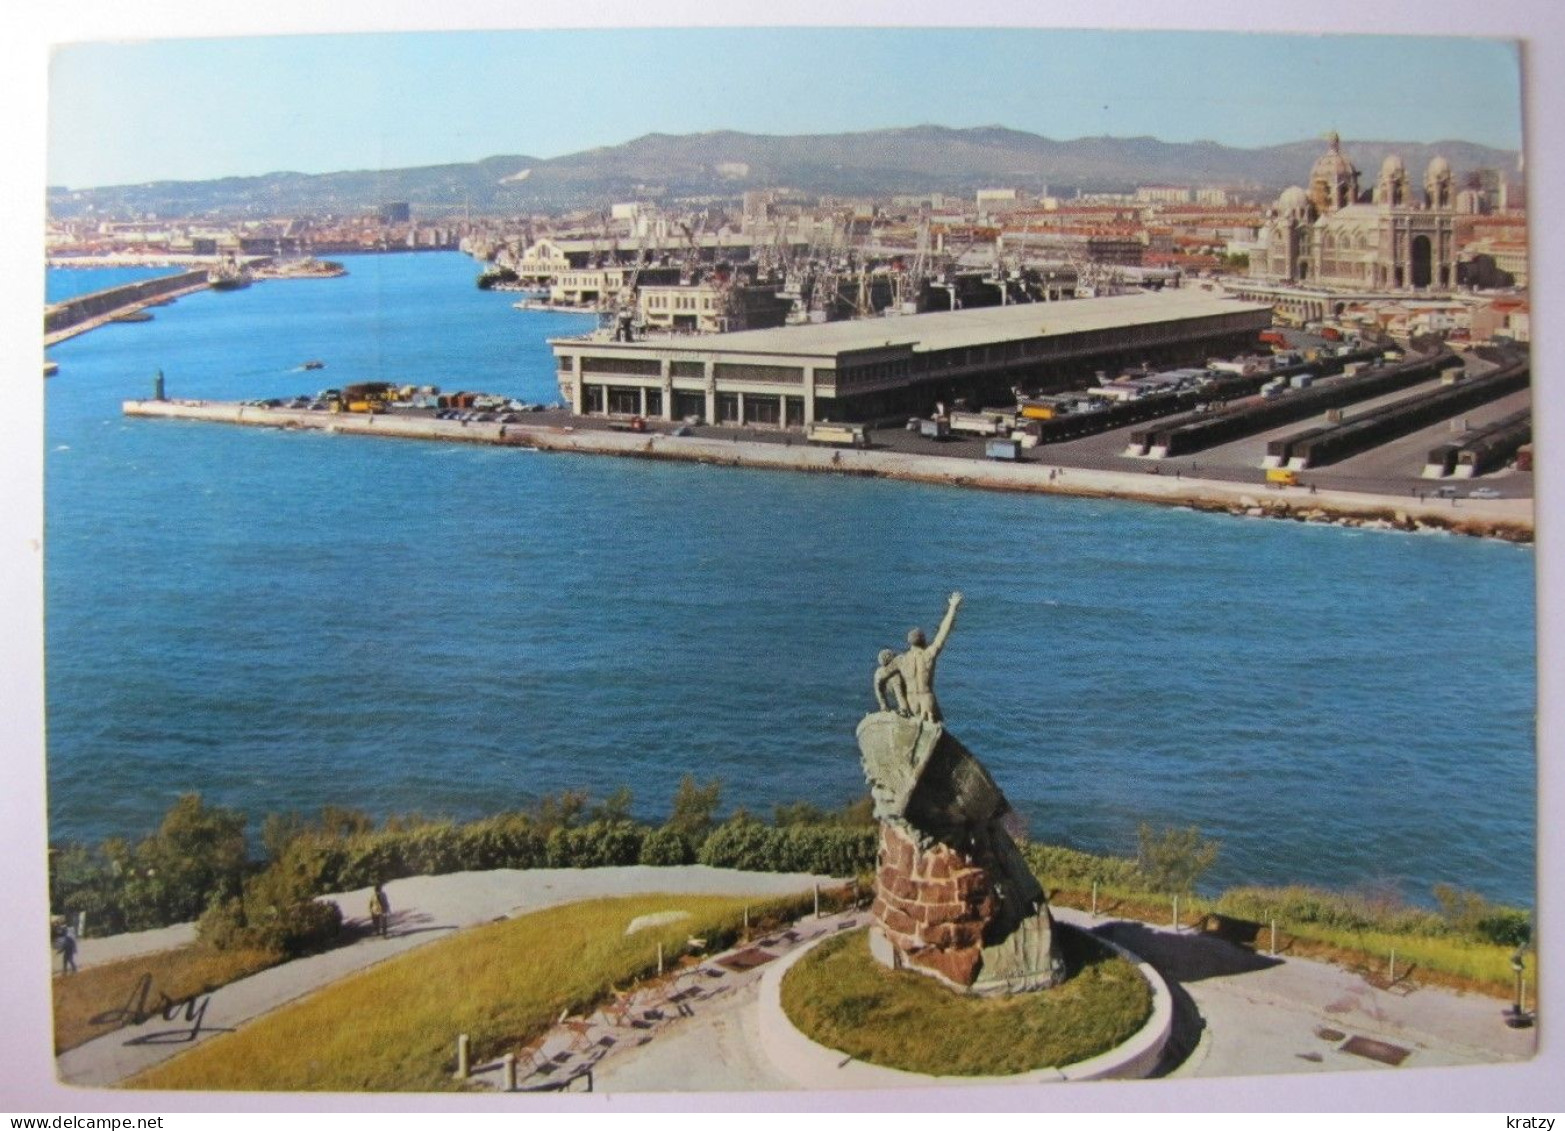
x: 1511, y: 519
x: 76, y: 315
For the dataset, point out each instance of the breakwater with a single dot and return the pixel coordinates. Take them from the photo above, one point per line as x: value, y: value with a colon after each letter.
x: 1508, y: 519
x: 85, y: 312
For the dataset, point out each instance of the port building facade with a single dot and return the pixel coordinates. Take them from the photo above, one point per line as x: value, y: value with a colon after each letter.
x: 882, y: 368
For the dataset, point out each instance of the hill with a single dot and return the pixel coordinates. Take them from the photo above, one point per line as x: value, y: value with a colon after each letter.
x: 660, y: 166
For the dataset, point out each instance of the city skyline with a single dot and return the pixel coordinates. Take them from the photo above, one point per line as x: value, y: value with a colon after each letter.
x: 327, y: 103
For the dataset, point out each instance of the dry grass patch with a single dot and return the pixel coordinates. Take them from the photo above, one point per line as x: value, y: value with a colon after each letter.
x: 839, y: 996
x: 394, y: 1026
x: 1444, y: 960
x: 100, y: 999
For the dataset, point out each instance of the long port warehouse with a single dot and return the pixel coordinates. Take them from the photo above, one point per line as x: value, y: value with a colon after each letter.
x: 884, y: 367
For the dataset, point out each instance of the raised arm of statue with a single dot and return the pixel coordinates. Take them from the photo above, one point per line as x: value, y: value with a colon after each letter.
x: 945, y: 625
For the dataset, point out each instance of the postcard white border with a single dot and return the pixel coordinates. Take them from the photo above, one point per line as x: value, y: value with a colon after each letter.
x: 26, y: 1068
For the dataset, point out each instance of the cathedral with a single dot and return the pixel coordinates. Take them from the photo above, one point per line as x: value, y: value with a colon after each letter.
x: 1333, y: 235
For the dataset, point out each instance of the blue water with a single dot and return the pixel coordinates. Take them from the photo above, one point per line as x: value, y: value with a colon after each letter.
x: 61, y: 283
x: 282, y: 620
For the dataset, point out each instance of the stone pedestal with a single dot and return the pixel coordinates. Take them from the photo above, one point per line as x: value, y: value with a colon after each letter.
x: 954, y: 898
x: 932, y: 906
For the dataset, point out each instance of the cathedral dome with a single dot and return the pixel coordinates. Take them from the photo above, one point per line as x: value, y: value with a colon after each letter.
x: 1334, y: 182
x: 1392, y: 166
x: 1439, y: 167
x: 1294, y: 201
x: 1332, y: 166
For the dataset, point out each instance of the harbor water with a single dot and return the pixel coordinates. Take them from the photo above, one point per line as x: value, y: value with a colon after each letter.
x: 282, y: 620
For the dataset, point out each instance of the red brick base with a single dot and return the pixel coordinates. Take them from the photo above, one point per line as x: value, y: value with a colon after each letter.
x: 933, y: 905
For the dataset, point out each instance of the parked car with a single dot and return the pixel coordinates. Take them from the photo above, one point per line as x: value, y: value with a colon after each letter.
x: 1483, y: 493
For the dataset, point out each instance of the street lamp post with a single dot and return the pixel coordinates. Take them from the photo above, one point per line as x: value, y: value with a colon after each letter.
x: 1517, y: 1016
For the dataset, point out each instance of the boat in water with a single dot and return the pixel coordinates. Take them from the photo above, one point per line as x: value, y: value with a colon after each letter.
x: 229, y: 275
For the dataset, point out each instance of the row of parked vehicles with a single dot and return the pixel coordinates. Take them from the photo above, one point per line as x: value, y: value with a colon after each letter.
x: 509, y: 417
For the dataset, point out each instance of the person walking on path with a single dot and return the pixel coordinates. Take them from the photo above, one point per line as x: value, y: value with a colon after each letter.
x: 380, y: 910
x: 68, y: 952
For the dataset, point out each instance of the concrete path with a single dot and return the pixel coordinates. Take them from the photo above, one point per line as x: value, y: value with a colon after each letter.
x: 424, y: 908
x: 132, y: 944
x: 1262, y: 1015
x: 1237, y: 1014
x: 696, y: 1030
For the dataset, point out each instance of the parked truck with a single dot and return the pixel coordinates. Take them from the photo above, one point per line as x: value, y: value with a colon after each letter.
x: 842, y: 435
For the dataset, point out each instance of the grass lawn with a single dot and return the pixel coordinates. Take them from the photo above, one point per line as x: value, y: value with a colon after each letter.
x: 839, y: 996
x: 118, y: 988
x: 394, y: 1026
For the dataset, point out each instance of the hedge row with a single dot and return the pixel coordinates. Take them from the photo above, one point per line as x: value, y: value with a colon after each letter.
x: 822, y: 849
x: 344, y: 863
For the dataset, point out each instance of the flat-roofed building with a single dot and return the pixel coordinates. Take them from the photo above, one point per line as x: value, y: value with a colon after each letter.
x: 887, y: 367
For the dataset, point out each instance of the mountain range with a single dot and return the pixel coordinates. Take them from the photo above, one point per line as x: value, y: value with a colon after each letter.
x: 920, y: 159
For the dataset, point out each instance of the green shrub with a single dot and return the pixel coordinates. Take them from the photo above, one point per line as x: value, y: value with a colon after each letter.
x: 747, y: 845
x: 1505, y: 926
x: 666, y: 848
x: 277, y: 912
x: 1057, y: 866
x: 506, y: 841
x: 694, y: 808
x: 822, y: 849
x: 1472, y: 915
x: 606, y: 844
x: 1172, y: 860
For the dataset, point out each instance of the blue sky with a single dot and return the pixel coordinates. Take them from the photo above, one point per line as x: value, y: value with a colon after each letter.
x: 174, y: 109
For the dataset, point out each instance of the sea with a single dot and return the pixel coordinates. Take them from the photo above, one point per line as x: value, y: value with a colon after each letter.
x: 279, y: 621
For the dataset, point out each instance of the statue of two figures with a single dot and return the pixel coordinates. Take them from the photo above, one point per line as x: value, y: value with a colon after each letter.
x: 910, y: 677
x: 953, y: 896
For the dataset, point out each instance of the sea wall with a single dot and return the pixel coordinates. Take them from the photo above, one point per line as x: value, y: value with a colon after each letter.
x: 1509, y: 519
x: 64, y: 315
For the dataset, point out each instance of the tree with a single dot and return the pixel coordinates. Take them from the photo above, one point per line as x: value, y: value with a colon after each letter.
x: 694, y: 810
x: 342, y: 822
x: 278, y: 831
x: 614, y: 809
x: 1172, y: 860
x: 197, y: 854
x: 562, y: 812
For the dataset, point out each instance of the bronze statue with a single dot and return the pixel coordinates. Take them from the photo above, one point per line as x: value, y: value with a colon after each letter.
x: 888, y: 677
x: 954, y: 897
x: 911, y: 676
x: 918, y: 664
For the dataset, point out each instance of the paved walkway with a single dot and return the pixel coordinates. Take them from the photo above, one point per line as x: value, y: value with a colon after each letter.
x: 693, y: 1030
x: 1238, y: 1013
x: 424, y: 908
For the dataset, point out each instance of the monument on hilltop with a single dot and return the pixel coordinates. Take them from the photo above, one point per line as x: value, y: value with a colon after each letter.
x: 953, y: 897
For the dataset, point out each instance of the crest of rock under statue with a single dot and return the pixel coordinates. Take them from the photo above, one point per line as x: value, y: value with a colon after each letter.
x: 954, y: 898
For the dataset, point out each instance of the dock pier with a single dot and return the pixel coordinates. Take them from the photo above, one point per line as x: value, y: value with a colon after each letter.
x: 1509, y: 519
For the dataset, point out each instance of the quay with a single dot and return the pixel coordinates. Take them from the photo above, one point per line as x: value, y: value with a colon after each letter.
x: 1510, y: 519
